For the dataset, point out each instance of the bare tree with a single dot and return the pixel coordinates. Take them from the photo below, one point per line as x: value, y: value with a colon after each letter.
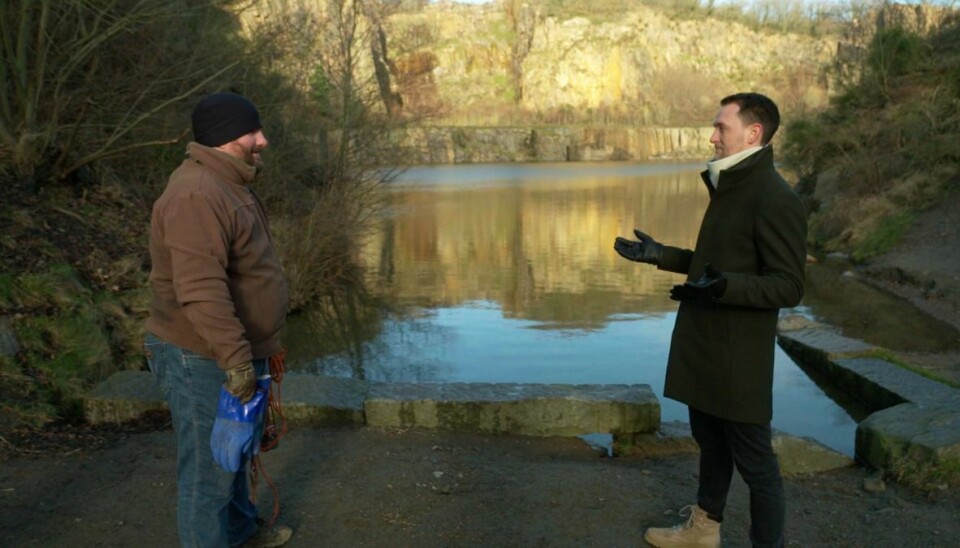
x: 337, y: 52
x: 80, y: 77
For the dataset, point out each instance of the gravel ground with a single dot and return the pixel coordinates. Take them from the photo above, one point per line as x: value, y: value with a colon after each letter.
x: 369, y: 487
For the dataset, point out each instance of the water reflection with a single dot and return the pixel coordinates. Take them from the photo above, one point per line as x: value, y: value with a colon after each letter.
x: 541, y: 247
x: 869, y: 314
x: 508, y: 274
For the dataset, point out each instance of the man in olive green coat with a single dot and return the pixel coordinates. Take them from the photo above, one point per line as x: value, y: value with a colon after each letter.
x: 748, y: 263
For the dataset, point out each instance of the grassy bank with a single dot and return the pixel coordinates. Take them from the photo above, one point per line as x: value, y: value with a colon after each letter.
x: 889, y: 145
x: 72, y: 297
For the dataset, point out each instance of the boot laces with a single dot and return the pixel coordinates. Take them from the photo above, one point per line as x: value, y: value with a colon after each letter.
x: 696, y: 517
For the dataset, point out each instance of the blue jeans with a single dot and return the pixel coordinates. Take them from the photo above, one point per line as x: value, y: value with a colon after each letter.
x: 213, y: 506
x: 723, y: 444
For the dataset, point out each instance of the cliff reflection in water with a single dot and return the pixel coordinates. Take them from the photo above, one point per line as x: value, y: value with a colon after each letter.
x: 540, y: 245
x: 507, y: 273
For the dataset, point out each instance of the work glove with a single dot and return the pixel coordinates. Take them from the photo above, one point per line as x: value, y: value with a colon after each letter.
x: 241, y: 381
x: 647, y: 250
x: 234, y: 437
x: 710, y: 287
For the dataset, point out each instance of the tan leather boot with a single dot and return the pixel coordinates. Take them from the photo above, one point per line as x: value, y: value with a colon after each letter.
x: 698, y: 531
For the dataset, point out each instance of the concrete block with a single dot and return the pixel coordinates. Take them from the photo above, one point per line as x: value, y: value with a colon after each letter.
x: 323, y: 401
x: 124, y: 396
x: 525, y: 409
x: 916, y: 436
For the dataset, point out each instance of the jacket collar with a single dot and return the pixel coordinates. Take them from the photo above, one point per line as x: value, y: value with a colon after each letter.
x: 736, y: 174
x: 228, y: 167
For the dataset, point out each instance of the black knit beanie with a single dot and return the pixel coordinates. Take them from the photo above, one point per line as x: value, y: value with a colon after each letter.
x: 222, y: 117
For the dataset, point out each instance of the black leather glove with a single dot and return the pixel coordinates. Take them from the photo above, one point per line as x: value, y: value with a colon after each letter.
x: 647, y: 250
x: 242, y: 381
x: 710, y: 287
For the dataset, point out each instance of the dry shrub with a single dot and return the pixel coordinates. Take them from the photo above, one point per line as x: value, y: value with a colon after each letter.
x: 319, y: 246
x: 59, y: 120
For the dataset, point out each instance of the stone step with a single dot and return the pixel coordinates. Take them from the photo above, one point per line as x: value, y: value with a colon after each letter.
x: 883, y: 377
x: 524, y: 409
x: 922, y: 439
x: 915, y: 421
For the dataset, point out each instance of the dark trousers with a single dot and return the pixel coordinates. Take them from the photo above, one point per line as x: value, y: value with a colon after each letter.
x: 723, y: 444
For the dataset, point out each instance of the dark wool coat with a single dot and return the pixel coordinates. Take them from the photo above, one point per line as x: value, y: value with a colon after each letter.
x: 754, y: 231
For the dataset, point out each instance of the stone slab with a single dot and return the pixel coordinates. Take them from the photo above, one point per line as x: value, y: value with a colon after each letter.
x: 124, y: 396
x: 826, y: 341
x: 925, y: 435
x: 915, y: 424
x: 323, y: 401
x: 824, y: 351
x: 889, y: 377
x: 525, y: 409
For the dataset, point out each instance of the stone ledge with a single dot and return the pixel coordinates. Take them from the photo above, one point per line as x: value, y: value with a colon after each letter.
x: 126, y: 395
x: 525, y: 409
x: 915, y: 421
x: 891, y: 378
x: 912, y: 433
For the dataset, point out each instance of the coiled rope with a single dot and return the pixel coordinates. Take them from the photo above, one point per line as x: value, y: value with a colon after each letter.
x: 274, y: 429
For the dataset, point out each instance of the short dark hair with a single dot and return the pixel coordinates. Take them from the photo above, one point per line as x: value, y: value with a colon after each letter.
x: 756, y: 109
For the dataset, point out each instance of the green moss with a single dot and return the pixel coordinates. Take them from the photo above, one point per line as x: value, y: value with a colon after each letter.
x: 57, y: 287
x: 887, y: 356
x: 64, y: 345
x: 927, y: 475
x: 883, y: 238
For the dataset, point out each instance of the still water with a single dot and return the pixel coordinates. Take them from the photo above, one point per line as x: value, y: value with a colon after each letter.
x: 507, y: 273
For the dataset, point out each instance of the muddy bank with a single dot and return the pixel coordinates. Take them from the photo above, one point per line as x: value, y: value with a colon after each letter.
x: 906, y: 301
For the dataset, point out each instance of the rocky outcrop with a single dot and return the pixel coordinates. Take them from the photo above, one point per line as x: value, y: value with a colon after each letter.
x: 644, y: 55
x: 640, y: 65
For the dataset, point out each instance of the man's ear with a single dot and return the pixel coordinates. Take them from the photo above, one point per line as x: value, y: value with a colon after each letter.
x: 754, y: 134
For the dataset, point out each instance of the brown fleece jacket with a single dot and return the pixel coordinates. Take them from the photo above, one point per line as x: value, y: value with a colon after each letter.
x: 218, y: 287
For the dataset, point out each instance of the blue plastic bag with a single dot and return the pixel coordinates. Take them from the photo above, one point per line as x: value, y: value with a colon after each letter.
x: 235, y: 429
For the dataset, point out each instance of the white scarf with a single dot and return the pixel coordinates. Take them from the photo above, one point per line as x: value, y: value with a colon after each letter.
x: 716, y: 166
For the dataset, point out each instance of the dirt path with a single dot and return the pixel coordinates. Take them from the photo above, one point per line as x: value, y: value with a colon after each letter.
x: 387, y: 488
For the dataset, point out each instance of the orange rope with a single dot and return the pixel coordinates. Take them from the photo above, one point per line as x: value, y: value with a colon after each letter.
x: 256, y: 467
x: 272, y: 433
x: 275, y: 421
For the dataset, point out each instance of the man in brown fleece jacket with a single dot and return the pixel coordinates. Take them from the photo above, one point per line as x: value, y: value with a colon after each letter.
x: 219, y: 300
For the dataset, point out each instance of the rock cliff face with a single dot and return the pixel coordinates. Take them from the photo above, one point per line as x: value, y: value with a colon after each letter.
x: 653, y: 62
x: 519, y: 86
x: 644, y: 66
x: 512, y: 81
